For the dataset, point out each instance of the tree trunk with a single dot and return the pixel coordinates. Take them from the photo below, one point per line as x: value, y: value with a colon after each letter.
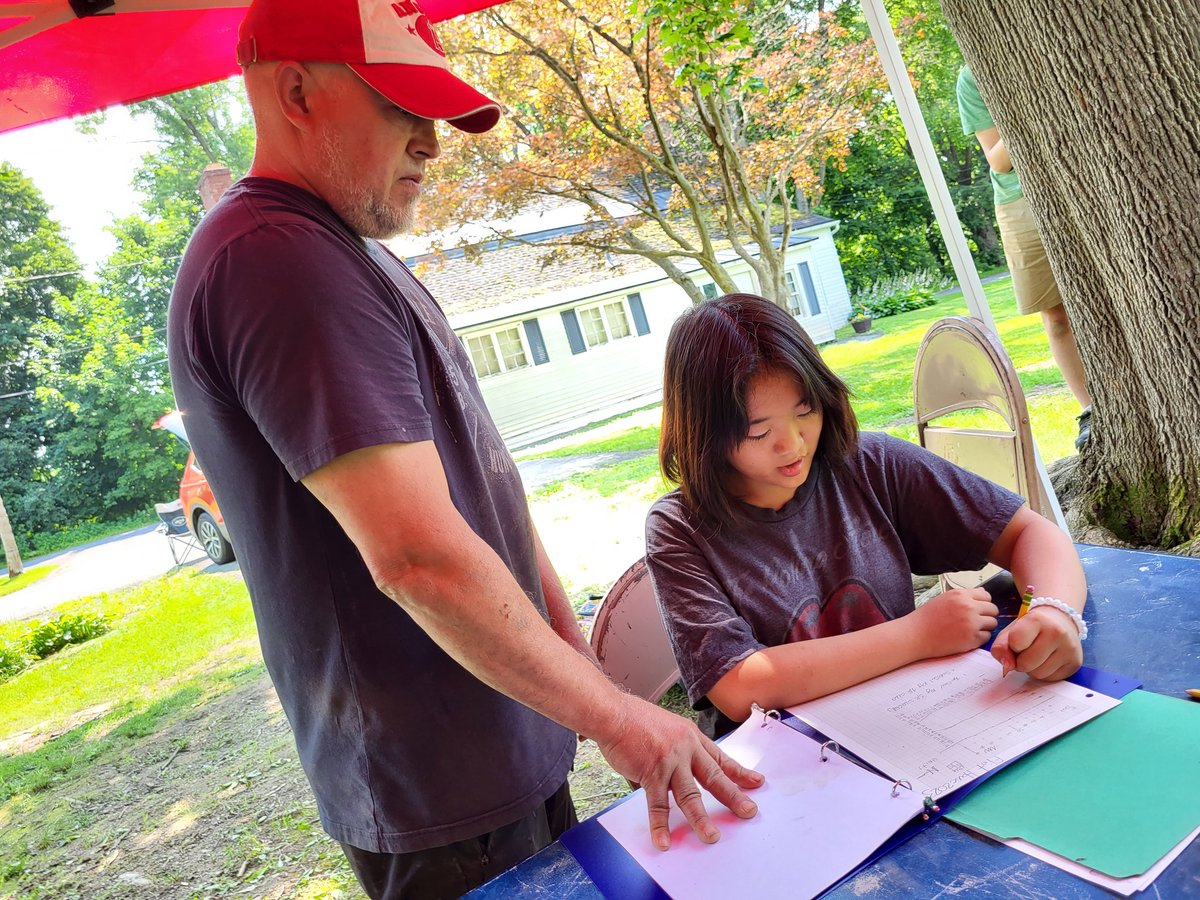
x: 9, y: 541
x: 1099, y: 105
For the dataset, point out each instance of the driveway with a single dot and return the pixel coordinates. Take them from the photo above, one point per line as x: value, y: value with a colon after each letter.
x: 104, y: 565
x: 126, y: 559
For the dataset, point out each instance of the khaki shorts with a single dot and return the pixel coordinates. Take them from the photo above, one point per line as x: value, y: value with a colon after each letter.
x: 1033, y: 282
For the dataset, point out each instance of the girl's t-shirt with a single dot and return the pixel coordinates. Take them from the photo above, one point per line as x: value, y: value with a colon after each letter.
x: 837, y: 558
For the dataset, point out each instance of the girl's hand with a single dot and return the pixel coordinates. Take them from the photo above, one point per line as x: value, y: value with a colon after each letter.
x: 954, y: 622
x: 1043, y: 643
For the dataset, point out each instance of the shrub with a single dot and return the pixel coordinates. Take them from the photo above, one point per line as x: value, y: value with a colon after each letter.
x: 12, y: 661
x: 898, y: 294
x: 46, y: 638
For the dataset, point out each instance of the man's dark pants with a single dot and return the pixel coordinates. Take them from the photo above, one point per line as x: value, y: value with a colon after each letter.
x: 453, y: 870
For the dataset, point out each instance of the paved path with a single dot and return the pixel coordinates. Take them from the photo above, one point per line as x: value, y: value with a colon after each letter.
x: 126, y: 559
x: 105, y: 565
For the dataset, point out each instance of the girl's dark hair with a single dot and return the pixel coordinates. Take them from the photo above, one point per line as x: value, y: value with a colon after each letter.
x: 713, y: 352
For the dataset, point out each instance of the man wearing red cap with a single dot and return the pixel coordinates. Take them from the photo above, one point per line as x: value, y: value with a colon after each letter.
x: 418, y: 637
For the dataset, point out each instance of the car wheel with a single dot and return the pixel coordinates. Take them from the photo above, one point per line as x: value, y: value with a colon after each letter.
x: 218, y: 549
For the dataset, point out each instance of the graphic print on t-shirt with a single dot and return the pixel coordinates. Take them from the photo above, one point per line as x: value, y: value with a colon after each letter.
x: 849, y: 607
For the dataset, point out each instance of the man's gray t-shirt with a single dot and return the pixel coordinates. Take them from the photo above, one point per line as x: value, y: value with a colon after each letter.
x: 292, y: 342
x: 838, y: 557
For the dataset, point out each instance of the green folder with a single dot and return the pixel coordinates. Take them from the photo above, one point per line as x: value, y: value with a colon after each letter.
x: 1115, y: 794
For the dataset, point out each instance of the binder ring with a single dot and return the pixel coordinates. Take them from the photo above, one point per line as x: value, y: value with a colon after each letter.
x: 836, y: 749
x: 900, y: 784
x: 767, y: 714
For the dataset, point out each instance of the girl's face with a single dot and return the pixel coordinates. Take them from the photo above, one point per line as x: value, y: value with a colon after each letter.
x: 776, y: 455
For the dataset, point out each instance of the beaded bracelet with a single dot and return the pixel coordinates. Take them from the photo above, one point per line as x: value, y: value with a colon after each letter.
x: 1063, y: 607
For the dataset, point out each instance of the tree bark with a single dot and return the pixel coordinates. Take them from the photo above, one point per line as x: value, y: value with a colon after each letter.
x: 1099, y: 105
x: 9, y: 541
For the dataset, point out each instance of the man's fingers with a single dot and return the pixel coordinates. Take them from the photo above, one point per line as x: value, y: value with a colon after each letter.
x: 691, y: 804
x: 729, y: 766
x: 722, y: 776
x: 659, y: 808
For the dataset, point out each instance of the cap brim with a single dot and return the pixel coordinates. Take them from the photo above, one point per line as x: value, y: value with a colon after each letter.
x: 431, y: 93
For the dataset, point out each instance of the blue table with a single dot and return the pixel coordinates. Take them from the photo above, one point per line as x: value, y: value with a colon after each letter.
x: 1143, y: 614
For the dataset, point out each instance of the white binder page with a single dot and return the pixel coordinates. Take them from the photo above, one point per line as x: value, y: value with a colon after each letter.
x: 816, y: 821
x: 941, y: 723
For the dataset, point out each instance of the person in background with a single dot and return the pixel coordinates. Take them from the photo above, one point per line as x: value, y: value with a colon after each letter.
x: 1032, y: 279
x: 783, y: 562
x: 417, y: 635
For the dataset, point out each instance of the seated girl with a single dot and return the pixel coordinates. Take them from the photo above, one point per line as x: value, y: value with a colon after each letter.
x: 782, y: 563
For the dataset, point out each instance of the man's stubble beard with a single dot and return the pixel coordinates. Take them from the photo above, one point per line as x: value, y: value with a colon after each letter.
x: 367, y: 215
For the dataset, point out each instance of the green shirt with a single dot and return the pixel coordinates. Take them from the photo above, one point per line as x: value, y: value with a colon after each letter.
x: 975, y: 117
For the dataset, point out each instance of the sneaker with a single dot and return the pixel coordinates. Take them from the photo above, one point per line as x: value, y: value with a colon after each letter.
x: 1085, y: 427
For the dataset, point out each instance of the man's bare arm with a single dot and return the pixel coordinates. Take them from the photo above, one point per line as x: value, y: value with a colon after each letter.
x: 394, y: 504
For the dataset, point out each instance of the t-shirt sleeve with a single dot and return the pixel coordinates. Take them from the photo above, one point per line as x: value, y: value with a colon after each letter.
x: 947, y: 518
x: 314, y: 345
x: 971, y: 109
x: 708, y: 635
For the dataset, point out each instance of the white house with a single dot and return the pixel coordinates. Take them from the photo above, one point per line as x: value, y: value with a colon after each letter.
x: 560, y: 344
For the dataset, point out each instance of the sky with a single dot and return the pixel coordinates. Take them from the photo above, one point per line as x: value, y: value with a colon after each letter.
x: 86, y: 179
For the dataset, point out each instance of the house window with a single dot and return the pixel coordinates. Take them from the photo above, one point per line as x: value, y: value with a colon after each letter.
x: 802, y: 292
x: 710, y: 291
x: 604, y: 323
x: 592, y: 326
x: 793, y: 293
x: 497, y: 351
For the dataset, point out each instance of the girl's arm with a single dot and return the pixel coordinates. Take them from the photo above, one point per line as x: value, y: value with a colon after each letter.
x: 778, y: 677
x: 1044, y: 643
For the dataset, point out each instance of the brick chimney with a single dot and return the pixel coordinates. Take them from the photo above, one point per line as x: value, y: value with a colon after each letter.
x: 214, y: 181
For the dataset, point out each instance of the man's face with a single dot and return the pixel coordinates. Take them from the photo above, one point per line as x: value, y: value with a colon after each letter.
x: 368, y: 156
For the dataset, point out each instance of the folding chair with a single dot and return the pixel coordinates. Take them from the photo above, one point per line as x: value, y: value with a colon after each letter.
x: 962, y: 365
x: 180, y: 539
x: 629, y: 637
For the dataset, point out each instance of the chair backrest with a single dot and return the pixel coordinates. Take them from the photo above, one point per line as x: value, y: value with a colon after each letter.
x: 962, y: 365
x: 172, y: 517
x: 629, y: 638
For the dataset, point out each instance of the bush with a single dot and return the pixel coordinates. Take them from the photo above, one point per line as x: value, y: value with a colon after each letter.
x: 46, y: 638
x: 899, y: 294
x: 12, y: 661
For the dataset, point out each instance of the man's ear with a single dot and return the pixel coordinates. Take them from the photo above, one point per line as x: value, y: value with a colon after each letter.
x: 294, y: 83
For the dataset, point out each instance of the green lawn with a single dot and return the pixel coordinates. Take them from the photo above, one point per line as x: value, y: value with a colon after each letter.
x: 25, y: 579
x: 160, y: 630
x: 157, y: 748
x: 879, y: 371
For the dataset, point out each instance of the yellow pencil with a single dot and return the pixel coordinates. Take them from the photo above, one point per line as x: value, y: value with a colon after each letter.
x: 1025, y: 598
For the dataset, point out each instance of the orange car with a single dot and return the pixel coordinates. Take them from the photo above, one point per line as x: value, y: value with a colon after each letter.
x: 199, y: 505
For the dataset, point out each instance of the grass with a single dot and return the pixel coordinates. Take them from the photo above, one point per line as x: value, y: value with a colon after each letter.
x: 160, y: 630
x: 25, y: 579
x: 879, y: 371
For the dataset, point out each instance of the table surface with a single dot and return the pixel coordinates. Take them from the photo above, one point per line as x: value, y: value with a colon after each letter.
x: 1142, y: 620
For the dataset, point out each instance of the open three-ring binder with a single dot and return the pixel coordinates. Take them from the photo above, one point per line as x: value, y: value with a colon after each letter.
x: 848, y: 777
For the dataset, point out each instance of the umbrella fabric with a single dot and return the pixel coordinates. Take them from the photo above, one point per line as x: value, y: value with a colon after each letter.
x: 61, y: 58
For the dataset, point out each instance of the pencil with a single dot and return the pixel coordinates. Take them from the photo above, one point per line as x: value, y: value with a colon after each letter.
x: 1025, y: 598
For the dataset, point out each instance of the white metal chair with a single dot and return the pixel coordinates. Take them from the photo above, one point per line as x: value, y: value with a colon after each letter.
x: 962, y: 365
x: 630, y: 640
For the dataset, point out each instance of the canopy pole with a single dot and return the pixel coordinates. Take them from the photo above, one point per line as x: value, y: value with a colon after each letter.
x: 927, y: 161
x: 939, y: 198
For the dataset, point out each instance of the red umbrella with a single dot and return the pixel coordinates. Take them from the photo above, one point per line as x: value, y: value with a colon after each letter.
x: 61, y: 58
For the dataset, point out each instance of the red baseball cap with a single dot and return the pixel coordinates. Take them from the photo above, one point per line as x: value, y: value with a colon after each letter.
x: 390, y: 45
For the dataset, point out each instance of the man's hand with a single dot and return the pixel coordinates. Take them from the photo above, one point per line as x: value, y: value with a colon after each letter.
x: 954, y: 622
x: 1043, y: 643
x: 666, y: 754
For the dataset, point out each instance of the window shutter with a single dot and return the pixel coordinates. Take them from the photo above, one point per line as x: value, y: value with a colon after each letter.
x: 810, y: 289
x: 533, y: 333
x: 639, y: 313
x: 574, y: 332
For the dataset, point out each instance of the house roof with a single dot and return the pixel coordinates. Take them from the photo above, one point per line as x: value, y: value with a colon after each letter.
x: 513, y: 272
